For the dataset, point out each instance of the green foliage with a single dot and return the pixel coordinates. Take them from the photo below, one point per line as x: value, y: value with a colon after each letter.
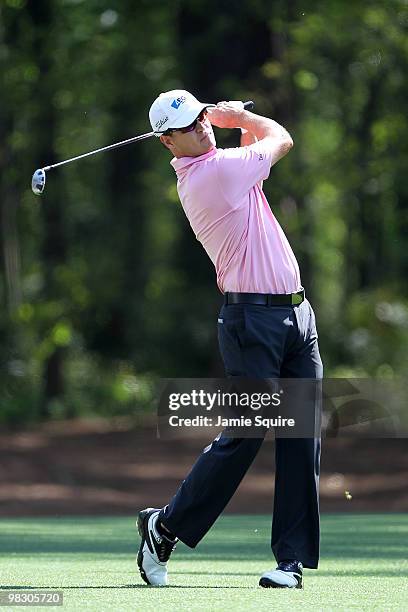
x: 102, y: 280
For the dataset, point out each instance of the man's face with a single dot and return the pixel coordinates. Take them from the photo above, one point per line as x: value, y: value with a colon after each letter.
x: 194, y: 142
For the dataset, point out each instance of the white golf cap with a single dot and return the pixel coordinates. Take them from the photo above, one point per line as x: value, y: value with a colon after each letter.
x: 174, y: 109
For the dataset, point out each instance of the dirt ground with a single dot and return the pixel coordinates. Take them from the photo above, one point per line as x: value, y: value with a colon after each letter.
x: 100, y: 467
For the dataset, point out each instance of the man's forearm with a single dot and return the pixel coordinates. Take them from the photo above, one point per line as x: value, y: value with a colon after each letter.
x: 262, y: 127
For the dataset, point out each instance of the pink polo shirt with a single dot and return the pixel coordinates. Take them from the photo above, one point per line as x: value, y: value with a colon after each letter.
x: 230, y: 216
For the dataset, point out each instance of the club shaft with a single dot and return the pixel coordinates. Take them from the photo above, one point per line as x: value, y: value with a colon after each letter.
x: 112, y: 146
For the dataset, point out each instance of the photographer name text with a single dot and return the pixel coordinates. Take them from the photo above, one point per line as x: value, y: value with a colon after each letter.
x: 220, y: 421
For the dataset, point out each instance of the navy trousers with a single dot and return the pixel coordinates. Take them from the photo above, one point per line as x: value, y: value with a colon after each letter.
x: 259, y: 342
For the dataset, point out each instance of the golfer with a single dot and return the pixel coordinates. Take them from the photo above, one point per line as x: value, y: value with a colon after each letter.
x: 266, y: 329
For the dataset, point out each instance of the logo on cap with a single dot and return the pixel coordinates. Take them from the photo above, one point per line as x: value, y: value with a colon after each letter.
x: 161, y: 122
x: 178, y: 102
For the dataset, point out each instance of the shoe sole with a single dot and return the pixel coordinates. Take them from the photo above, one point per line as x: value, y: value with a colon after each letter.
x: 269, y: 584
x: 140, y: 524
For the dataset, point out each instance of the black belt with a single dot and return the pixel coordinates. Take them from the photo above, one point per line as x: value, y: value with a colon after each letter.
x: 265, y: 299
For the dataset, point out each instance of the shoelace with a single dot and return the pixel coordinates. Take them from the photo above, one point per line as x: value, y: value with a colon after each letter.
x: 166, y: 547
x: 289, y: 566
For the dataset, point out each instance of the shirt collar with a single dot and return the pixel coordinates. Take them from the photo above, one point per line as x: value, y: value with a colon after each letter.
x: 181, y: 163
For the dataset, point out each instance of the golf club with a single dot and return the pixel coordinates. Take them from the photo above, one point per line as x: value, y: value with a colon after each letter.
x: 38, y: 180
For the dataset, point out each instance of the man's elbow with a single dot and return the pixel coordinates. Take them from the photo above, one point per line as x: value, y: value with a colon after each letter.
x: 279, y: 147
x: 288, y: 143
x: 285, y: 146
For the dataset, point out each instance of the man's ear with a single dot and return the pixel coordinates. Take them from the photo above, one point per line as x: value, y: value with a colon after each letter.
x: 166, y: 141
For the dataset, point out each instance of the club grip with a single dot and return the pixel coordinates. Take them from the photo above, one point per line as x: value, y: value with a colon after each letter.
x: 249, y: 105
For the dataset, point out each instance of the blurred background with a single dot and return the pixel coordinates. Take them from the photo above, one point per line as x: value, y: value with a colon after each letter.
x: 104, y: 288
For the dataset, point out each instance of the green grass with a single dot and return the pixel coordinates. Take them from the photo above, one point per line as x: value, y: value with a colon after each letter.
x: 363, y: 565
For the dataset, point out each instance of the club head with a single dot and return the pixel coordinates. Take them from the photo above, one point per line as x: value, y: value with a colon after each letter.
x: 38, y: 181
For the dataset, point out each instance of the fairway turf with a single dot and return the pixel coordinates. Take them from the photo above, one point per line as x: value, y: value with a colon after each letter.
x: 363, y: 565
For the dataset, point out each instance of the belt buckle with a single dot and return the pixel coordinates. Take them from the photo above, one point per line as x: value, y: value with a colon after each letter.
x: 296, y: 299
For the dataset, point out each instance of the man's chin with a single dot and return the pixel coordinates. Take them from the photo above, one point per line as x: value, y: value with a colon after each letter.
x: 207, y: 145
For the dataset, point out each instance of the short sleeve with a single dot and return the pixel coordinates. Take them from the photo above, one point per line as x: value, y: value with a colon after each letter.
x: 242, y: 168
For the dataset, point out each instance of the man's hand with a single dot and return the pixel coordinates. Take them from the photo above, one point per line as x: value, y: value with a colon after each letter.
x: 226, y: 114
